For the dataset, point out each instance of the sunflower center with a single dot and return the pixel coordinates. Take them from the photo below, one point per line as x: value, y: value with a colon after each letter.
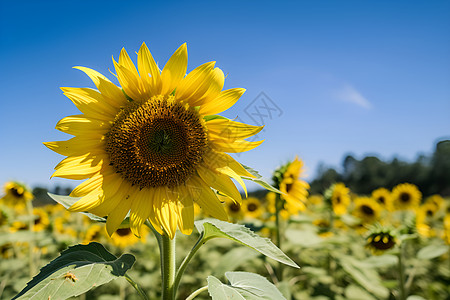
x: 381, y: 199
x: 123, y: 231
x: 234, y: 207
x: 405, y: 197
x: 367, y: 210
x: 156, y: 143
x: 338, y: 199
x: 252, y: 207
x: 15, y: 192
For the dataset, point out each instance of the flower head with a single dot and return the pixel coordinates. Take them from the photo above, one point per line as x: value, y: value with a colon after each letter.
x: 366, y: 209
x: 340, y: 198
x: 379, y: 240
x: 383, y: 197
x: 406, y: 196
x: 154, y: 145
x: 16, y: 194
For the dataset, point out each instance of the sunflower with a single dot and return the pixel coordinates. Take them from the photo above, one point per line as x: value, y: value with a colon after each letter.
x: 383, y: 197
x: 124, y: 237
x: 367, y: 209
x: 41, y: 220
x: 315, y: 199
x: 436, y: 200
x: 93, y: 234
x: 406, y: 196
x: 234, y: 209
x: 379, y: 240
x: 16, y: 194
x: 294, y: 190
x: 425, y: 216
x: 253, y: 208
x: 154, y: 145
x: 340, y: 198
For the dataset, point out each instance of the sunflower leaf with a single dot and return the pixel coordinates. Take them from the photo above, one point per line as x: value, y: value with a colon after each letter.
x: 260, y: 180
x: 213, y: 228
x: 68, y: 201
x: 432, y: 251
x: 77, y: 270
x: 243, y: 285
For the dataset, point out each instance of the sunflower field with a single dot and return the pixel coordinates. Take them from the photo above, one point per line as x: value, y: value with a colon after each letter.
x: 386, y: 245
x: 159, y: 214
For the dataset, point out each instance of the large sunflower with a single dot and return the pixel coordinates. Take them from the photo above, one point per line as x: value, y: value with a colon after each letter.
x: 154, y: 145
x: 406, y: 196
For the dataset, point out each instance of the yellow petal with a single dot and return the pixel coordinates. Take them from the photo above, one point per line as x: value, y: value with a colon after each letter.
x: 141, y: 207
x: 220, y: 182
x: 116, y: 216
x: 81, y: 125
x: 108, y: 89
x: 224, y: 129
x: 129, y: 82
x: 166, y: 213
x: 234, y: 147
x: 79, y: 167
x: 87, y: 202
x: 201, y: 85
x: 222, y: 102
x: 77, y: 146
x: 146, y: 66
x: 113, y: 192
x: 91, y: 103
x: 174, y: 70
x: 88, y: 186
x: 215, y: 160
x: 206, y: 198
x: 185, y: 211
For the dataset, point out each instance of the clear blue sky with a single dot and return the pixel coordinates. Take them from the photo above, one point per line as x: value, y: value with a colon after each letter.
x: 366, y: 77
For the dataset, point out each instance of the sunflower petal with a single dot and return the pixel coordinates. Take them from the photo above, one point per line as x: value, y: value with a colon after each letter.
x: 220, y: 182
x: 222, y: 102
x: 146, y: 66
x: 224, y: 129
x: 206, y: 198
x: 87, y: 202
x: 82, y: 125
x: 185, y: 211
x: 117, y: 215
x: 76, y: 146
x: 174, y: 70
x: 90, y: 102
x: 235, y: 146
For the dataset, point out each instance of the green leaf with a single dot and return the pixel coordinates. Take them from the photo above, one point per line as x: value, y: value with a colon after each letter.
x: 354, y: 292
x: 367, y: 277
x: 243, y: 285
x: 432, y: 251
x: 68, y: 201
x: 77, y: 270
x: 415, y: 297
x: 213, y: 228
x: 260, y: 180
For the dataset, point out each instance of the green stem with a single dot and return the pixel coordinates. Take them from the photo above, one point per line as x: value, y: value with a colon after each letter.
x: 31, y: 242
x: 401, y: 275
x: 194, y: 294
x: 137, y: 287
x: 167, y: 267
x: 200, y: 242
x: 278, y: 207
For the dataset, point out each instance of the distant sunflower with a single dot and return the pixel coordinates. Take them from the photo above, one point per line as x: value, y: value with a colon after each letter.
x: 253, y: 208
x: 93, y: 234
x: 315, y: 199
x: 425, y: 215
x: 124, y: 237
x: 41, y: 220
x: 380, y: 240
x: 367, y: 209
x: 447, y: 228
x: 234, y: 210
x: 383, y: 197
x: 340, y: 198
x: 406, y: 196
x: 16, y: 194
x: 154, y: 145
x: 436, y: 200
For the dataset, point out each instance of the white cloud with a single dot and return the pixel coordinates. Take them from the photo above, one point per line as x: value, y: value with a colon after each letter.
x: 349, y: 94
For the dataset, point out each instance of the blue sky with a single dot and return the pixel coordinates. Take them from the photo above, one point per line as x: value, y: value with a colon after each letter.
x: 361, y: 77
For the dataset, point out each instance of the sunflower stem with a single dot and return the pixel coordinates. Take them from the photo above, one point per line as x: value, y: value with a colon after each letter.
x: 278, y: 207
x: 136, y: 287
x: 401, y: 275
x: 197, y: 292
x: 167, y: 267
x: 31, y: 242
x: 200, y: 242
